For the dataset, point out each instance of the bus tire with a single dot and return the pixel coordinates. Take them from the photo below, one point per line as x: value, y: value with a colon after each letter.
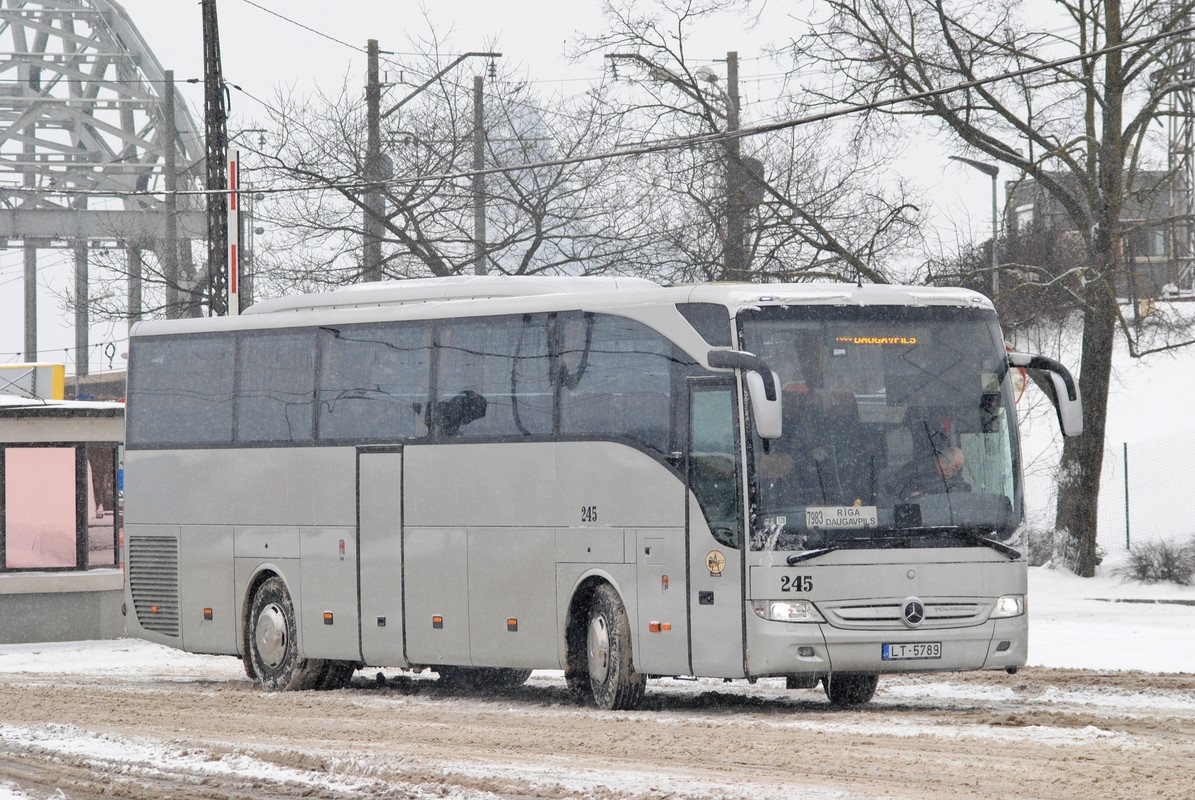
x: 337, y: 675
x: 612, y: 678
x: 850, y: 688
x: 247, y: 663
x: 802, y: 680
x: 273, y: 641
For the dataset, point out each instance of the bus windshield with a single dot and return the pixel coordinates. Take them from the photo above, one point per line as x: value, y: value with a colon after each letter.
x: 899, y: 430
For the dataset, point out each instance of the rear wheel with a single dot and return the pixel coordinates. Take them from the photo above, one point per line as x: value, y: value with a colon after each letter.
x: 337, y: 674
x: 612, y: 678
x: 850, y: 688
x: 273, y: 643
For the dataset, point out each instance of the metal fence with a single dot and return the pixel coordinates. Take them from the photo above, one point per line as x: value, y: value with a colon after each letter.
x: 1147, y: 492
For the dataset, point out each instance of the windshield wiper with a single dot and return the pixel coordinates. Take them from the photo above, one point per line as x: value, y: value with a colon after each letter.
x: 797, y: 558
x: 1000, y: 547
x: 975, y: 536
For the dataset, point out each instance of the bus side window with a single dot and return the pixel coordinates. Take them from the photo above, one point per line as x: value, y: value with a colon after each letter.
x: 616, y: 380
x: 713, y: 474
x: 276, y: 386
x: 493, y: 377
x: 181, y: 390
x: 374, y: 381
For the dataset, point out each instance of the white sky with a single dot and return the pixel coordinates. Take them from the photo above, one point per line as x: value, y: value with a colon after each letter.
x: 261, y: 52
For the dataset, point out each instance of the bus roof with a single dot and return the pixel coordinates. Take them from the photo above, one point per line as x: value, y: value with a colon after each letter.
x: 463, y: 287
x: 484, y: 295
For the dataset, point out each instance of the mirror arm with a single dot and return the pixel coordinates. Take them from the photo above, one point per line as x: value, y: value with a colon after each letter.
x: 1027, y: 361
x: 725, y: 358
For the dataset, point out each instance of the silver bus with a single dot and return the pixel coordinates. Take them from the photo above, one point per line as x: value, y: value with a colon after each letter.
x: 482, y: 476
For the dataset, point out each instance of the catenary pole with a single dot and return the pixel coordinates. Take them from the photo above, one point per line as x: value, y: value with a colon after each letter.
x: 479, y: 232
x: 371, y: 250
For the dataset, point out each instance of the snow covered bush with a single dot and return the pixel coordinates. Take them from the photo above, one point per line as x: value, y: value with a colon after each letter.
x: 1160, y: 560
x: 1041, y: 546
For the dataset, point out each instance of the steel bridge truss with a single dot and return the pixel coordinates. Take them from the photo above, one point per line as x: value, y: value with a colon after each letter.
x: 84, y: 128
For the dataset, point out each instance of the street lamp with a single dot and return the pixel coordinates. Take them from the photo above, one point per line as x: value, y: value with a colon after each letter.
x: 377, y: 168
x: 991, y: 170
x: 740, y: 176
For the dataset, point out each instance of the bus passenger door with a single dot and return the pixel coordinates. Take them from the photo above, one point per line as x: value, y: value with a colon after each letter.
x: 379, y: 531
x: 715, y: 528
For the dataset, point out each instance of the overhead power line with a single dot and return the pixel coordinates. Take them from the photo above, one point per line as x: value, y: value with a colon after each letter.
x: 672, y: 143
x: 307, y: 28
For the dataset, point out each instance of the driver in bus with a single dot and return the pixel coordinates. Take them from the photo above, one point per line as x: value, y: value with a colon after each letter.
x: 941, y: 474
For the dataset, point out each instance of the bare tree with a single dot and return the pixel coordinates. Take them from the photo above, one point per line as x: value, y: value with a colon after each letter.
x: 545, y: 219
x: 1074, y: 109
x: 800, y: 204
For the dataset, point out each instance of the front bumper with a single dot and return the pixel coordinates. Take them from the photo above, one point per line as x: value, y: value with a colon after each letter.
x: 776, y: 648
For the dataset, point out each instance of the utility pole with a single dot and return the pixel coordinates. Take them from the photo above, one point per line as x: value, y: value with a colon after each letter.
x: 82, y: 311
x: 479, y: 234
x: 170, y: 173
x: 28, y: 150
x: 377, y: 167
x: 992, y: 171
x: 1181, y: 162
x: 371, y: 254
x: 735, y: 258
x: 216, y: 121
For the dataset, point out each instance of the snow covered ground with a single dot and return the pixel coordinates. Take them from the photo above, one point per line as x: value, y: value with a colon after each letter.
x: 1104, y: 623
x: 1081, y: 623
x: 1095, y: 624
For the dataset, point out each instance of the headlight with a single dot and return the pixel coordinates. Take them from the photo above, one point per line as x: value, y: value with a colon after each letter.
x: 788, y: 611
x: 1010, y: 605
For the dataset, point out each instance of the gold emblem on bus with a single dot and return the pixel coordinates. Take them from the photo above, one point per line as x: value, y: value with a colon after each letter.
x: 715, y: 562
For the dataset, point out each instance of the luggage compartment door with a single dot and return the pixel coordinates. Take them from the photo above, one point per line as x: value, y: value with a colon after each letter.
x: 379, y: 532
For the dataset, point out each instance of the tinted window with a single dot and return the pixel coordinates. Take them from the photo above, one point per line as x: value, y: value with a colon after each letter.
x: 276, y: 387
x: 373, y: 381
x: 180, y: 390
x: 493, y: 378
x: 711, y: 320
x: 616, y: 379
x: 102, y: 504
x: 713, y: 461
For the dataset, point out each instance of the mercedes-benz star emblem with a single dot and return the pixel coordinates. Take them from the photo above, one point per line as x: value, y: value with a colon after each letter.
x: 913, y: 612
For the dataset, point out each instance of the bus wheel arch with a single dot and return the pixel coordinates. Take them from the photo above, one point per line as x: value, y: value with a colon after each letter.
x: 607, y: 651
x: 271, y: 638
x: 576, y: 673
x: 247, y: 620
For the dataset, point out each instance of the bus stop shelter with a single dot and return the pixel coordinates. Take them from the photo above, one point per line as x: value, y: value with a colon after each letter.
x: 60, y: 520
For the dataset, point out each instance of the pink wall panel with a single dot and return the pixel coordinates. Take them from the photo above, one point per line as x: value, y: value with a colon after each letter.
x: 40, y: 507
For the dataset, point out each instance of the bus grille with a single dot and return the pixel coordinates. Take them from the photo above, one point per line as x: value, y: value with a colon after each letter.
x: 886, y: 614
x: 153, y: 582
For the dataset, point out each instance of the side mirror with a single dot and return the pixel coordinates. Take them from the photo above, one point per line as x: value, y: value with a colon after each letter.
x: 762, y: 388
x: 1067, y: 401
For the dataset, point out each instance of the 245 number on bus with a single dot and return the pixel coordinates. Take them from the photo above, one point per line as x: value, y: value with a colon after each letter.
x: 796, y: 583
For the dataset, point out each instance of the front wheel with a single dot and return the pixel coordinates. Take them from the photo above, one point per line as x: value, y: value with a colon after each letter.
x: 850, y: 688
x: 612, y: 678
x: 273, y: 642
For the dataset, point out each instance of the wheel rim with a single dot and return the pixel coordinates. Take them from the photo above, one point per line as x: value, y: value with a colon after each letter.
x: 271, y: 635
x: 598, y: 649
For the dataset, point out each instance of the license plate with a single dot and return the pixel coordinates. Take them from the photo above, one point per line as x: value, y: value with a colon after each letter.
x: 908, y: 651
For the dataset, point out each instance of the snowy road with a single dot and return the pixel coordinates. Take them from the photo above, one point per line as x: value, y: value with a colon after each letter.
x: 133, y: 720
